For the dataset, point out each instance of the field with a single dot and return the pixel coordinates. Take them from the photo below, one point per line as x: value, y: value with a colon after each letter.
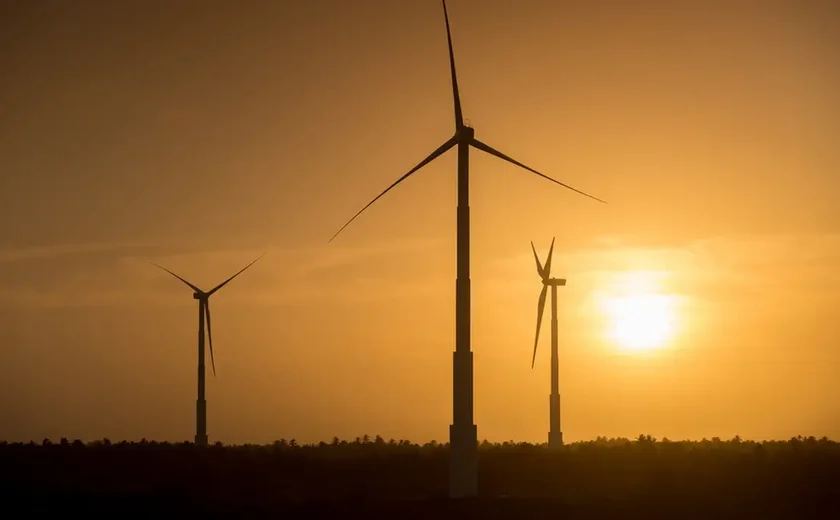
x: 605, y: 478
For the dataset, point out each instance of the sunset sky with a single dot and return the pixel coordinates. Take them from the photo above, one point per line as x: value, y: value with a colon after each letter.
x: 198, y: 134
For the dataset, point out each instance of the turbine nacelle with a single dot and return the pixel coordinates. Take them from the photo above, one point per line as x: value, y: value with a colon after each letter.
x: 465, y: 133
x: 197, y: 296
x: 555, y: 282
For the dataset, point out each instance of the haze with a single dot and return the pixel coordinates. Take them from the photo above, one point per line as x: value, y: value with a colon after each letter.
x: 199, y: 134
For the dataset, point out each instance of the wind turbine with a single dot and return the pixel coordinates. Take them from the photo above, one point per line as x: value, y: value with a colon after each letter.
x: 555, y: 436
x: 463, y: 436
x: 203, y: 298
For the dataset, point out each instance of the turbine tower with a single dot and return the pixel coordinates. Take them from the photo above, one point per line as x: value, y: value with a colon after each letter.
x: 463, y: 437
x: 555, y: 435
x: 203, y: 298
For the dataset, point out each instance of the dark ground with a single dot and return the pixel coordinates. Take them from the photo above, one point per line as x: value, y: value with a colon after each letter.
x: 600, y: 479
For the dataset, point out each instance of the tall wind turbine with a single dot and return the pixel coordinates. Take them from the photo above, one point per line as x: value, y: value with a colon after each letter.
x: 463, y: 436
x: 555, y: 436
x: 203, y: 298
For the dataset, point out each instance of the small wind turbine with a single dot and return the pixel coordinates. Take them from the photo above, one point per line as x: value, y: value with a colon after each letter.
x: 463, y: 433
x: 203, y: 298
x: 555, y: 436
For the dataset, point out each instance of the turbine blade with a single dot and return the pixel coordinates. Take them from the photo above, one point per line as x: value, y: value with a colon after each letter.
x: 234, y: 276
x: 210, y: 336
x: 540, y: 309
x: 193, y: 287
x: 548, y: 260
x: 540, y: 270
x: 484, y: 148
x: 459, y: 118
x: 434, y: 155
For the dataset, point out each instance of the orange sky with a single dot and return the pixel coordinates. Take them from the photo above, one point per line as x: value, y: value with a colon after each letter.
x: 199, y: 134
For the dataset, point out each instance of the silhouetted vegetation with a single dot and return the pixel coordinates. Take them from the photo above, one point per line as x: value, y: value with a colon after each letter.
x: 770, y: 479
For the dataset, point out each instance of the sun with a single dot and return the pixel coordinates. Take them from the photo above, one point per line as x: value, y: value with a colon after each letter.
x: 639, y: 316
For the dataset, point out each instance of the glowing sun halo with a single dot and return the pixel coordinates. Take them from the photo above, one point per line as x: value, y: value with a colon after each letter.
x: 640, y: 321
x: 640, y: 315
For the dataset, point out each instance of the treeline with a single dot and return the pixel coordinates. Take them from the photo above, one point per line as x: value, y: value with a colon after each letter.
x: 379, y: 442
x: 367, y: 444
x: 799, y: 472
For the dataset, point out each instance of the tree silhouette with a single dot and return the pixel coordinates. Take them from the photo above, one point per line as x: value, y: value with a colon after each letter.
x: 766, y: 476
